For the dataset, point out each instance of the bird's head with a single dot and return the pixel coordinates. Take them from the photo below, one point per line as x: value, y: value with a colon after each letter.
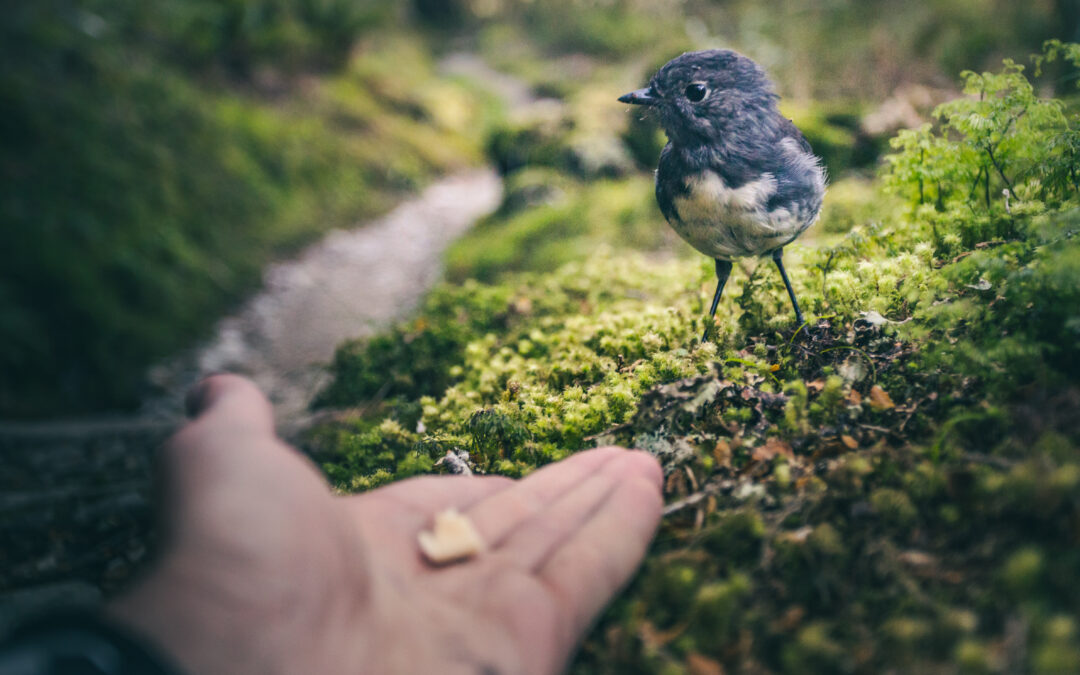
x: 700, y: 96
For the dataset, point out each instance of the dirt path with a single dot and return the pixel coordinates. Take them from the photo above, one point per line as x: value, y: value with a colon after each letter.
x: 349, y: 285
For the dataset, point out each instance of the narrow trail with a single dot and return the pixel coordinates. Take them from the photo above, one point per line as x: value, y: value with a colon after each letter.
x: 349, y: 285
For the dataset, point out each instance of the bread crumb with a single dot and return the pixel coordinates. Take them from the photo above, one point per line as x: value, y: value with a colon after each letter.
x: 453, y: 538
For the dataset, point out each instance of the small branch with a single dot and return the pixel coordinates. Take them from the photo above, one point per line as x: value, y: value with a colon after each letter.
x: 993, y: 160
x: 692, y: 500
x: 975, y: 185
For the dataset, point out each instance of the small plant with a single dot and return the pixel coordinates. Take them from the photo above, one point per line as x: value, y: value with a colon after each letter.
x: 997, y: 156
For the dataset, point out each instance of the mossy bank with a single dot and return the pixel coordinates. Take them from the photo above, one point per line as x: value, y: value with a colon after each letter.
x: 155, y: 158
x: 895, y: 485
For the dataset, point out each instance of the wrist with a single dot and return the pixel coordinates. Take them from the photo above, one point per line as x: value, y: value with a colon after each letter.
x: 198, y: 630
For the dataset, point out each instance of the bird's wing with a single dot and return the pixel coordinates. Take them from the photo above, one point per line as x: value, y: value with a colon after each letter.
x: 667, y: 185
x: 789, y: 130
x: 800, y: 176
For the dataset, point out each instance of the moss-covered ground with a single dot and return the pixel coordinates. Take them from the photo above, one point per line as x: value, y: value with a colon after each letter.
x: 892, y: 487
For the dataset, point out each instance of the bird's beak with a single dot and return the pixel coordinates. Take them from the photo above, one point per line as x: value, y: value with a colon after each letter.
x: 640, y: 97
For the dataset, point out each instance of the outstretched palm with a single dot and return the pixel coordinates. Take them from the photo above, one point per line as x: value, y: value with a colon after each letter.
x: 265, y: 571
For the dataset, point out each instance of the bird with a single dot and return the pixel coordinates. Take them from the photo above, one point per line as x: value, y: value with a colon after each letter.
x: 736, y: 177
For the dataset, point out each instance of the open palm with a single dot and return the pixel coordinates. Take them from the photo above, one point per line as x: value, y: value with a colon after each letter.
x: 265, y: 571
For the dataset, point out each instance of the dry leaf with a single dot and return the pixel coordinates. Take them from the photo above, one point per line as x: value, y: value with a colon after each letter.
x: 854, y: 398
x: 917, y: 558
x: 657, y: 639
x: 722, y: 454
x: 698, y: 664
x: 850, y: 442
x: 773, y: 447
x: 816, y: 386
x: 879, y: 398
x: 790, y: 619
x: 798, y: 536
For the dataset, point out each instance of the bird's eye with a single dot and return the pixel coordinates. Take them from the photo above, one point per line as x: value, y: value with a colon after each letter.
x: 696, y: 91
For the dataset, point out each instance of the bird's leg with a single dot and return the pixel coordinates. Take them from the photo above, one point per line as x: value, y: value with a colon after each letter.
x: 778, y: 258
x: 723, y: 271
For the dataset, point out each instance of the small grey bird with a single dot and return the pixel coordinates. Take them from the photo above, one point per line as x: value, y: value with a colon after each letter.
x: 736, y: 177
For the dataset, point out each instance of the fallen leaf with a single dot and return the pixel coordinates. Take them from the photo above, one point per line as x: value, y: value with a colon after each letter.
x: 697, y: 664
x: 917, y: 558
x: 656, y: 639
x: 773, y: 447
x: 722, y: 454
x: 790, y: 619
x: 854, y: 398
x: 850, y: 442
x: 676, y: 484
x: 798, y: 536
x: 879, y: 398
x: 816, y: 386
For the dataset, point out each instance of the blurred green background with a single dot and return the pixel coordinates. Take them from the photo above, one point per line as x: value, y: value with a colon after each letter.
x: 154, y: 156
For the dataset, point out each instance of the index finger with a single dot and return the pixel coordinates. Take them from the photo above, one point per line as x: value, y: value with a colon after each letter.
x: 600, y: 557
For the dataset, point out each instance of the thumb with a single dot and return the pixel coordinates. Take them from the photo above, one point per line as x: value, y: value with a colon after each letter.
x: 226, y: 461
x: 230, y: 399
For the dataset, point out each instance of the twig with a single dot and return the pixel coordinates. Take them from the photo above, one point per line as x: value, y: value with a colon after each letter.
x: 993, y: 160
x: 692, y: 500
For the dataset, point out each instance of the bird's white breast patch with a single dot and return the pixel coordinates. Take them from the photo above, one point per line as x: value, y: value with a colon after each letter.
x: 726, y: 222
x: 709, y: 192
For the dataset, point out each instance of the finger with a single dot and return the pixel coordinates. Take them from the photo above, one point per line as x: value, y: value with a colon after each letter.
x: 230, y: 400
x: 498, y: 515
x: 228, y: 466
x: 533, y: 540
x: 233, y: 421
x: 600, y: 556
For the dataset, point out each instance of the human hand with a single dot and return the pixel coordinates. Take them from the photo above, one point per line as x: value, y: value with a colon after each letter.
x: 264, y: 571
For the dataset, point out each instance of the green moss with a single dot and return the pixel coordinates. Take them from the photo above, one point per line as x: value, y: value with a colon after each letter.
x: 716, y: 606
x: 1023, y: 570
x: 813, y: 651
x: 894, y: 507
x: 841, y: 530
x: 736, y: 539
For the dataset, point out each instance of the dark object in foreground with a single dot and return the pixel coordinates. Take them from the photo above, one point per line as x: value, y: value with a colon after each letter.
x: 736, y: 177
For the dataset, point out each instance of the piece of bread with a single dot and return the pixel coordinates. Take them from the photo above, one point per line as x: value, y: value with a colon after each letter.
x: 452, y: 538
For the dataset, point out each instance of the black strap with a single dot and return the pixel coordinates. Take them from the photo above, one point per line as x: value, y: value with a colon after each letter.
x: 80, y: 643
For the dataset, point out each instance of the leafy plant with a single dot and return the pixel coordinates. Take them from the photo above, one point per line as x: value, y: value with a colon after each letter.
x: 998, y: 155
